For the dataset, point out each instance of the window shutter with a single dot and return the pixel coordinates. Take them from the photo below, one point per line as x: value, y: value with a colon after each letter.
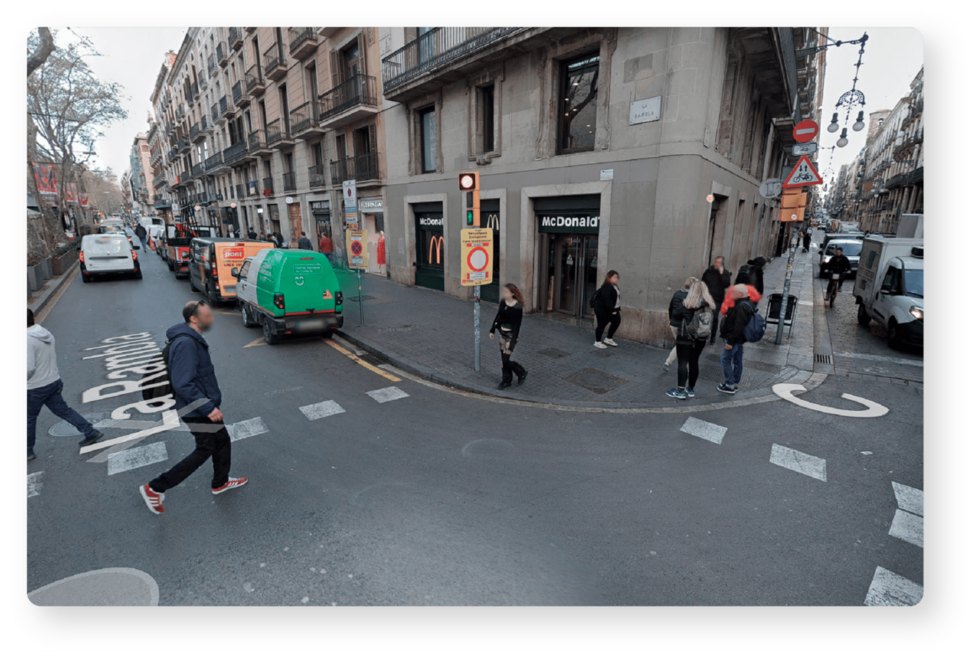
x: 372, y: 138
x: 362, y: 49
x: 334, y: 68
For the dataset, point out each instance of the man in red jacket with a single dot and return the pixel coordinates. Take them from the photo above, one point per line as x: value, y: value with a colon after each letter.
x: 326, y: 247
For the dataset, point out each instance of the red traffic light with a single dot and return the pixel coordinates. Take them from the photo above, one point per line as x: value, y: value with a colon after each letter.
x: 467, y: 181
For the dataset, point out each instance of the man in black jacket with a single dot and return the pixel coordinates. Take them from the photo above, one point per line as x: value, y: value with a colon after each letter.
x: 717, y: 279
x: 732, y: 331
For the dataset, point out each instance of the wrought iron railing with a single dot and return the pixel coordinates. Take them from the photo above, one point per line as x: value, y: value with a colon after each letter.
x: 211, y: 65
x: 288, y: 181
x: 223, y: 103
x: 194, y: 131
x: 236, y: 91
x: 303, y: 117
x: 358, y: 90
x: 276, y: 131
x: 194, y: 90
x: 239, y: 191
x: 196, y: 169
x: 234, y: 36
x: 253, y: 77
x: 317, y: 176
x: 363, y: 167
x: 266, y: 186
x: 215, y: 113
x: 256, y: 141
x: 214, y: 161
x: 298, y: 35
x: 235, y: 152
x: 272, y: 58
x: 221, y: 54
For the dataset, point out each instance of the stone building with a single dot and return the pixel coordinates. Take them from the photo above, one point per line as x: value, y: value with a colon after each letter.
x: 141, y: 175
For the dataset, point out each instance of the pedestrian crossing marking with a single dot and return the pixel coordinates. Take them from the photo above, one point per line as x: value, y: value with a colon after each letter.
x: 889, y: 589
x: 703, y: 429
x: 361, y: 361
x: 908, y: 527
x: 387, y: 394
x: 799, y: 462
x: 34, y: 483
x: 321, y: 410
x: 246, y: 429
x: 127, y: 460
x: 909, y: 499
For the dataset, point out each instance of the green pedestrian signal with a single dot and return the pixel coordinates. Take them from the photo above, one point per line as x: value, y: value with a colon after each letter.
x: 469, y: 217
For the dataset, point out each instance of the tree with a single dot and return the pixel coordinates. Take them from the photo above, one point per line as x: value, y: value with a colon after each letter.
x: 44, y: 49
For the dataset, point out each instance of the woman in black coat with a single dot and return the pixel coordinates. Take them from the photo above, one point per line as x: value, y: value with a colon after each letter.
x: 507, y: 323
x: 607, y: 309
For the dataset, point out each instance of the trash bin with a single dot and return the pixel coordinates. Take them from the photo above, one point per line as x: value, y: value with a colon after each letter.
x: 774, y: 310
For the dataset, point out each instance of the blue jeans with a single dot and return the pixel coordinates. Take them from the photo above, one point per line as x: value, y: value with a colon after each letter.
x: 50, y: 396
x: 732, y: 362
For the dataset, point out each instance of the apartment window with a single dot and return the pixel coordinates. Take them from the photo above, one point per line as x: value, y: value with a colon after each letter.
x: 578, y: 104
x: 487, y: 117
x: 429, y: 140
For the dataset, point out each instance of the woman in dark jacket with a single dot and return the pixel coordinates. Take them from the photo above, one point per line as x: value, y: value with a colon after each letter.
x: 607, y: 309
x: 676, y: 317
x: 507, y: 323
x: 717, y: 279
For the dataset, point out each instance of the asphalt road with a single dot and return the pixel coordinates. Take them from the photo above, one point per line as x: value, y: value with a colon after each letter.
x: 443, y: 499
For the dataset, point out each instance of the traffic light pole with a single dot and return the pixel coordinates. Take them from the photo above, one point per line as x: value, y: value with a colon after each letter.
x: 478, y: 330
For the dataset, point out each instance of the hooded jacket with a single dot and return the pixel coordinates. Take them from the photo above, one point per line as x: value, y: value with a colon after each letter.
x: 191, y: 371
x: 42, y: 363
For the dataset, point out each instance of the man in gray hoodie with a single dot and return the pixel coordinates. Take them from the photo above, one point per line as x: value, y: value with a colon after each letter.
x: 44, y: 386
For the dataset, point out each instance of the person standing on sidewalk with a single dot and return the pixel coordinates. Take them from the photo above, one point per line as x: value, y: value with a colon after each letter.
x: 717, y: 280
x: 326, y: 247
x: 732, y: 331
x: 44, y: 387
x: 507, y: 323
x: 195, y: 385
x: 675, y: 318
x: 607, y: 310
x: 690, y: 340
x: 304, y: 242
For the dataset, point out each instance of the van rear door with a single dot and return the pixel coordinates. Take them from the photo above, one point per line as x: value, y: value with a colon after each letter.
x: 307, y: 284
x: 108, y: 252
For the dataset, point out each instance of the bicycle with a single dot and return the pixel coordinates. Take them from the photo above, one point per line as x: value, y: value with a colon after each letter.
x: 834, y: 286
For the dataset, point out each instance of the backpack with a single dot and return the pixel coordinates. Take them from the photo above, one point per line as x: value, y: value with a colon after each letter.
x: 594, y: 298
x: 744, y: 274
x: 165, y: 388
x: 754, y: 330
x: 702, y: 324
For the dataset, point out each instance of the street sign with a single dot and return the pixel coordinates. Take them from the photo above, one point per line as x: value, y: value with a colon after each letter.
x: 356, y: 249
x: 803, y: 174
x: 804, y: 149
x: 805, y: 130
x: 350, y: 203
x: 476, y: 256
x: 770, y: 188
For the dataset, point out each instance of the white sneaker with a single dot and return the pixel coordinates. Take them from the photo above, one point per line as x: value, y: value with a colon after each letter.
x: 601, y: 345
x: 610, y: 342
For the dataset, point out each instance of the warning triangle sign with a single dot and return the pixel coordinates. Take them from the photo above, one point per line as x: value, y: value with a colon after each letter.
x: 803, y: 174
x: 327, y: 296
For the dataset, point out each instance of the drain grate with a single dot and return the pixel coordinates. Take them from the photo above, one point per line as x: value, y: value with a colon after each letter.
x: 554, y: 352
x: 823, y: 358
x: 595, y: 380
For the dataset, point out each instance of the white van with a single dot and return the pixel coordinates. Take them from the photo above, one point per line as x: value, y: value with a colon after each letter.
x: 106, y: 254
x: 889, y: 288
x: 150, y: 221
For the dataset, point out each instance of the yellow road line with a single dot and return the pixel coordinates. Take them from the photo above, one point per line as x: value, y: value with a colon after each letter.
x: 260, y: 342
x: 360, y: 361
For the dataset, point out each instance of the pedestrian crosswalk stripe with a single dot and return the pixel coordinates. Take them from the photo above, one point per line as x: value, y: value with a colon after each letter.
x: 127, y: 460
x: 889, y: 589
x: 246, y: 429
x: 908, y: 527
x: 797, y: 461
x: 321, y: 409
x: 34, y: 482
x: 909, y: 499
x: 703, y: 429
x: 387, y: 394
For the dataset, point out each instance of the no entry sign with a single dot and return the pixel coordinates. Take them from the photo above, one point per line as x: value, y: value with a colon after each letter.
x: 805, y: 130
x: 476, y: 256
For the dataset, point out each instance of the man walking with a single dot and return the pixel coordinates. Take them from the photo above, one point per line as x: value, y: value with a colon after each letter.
x: 195, y: 386
x: 141, y: 233
x: 732, y: 331
x: 44, y: 387
x: 326, y: 247
x: 252, y: 234
x: 304, y: 242
x: 717, y: 280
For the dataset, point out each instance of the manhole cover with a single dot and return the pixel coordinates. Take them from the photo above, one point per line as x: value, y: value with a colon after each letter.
x: 554, y: 352
x: 364, y: 297
x: 595, y: 380
x: 99, y: 419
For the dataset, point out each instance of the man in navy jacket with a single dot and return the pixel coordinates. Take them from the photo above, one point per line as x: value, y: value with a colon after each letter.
x: 198, y: 397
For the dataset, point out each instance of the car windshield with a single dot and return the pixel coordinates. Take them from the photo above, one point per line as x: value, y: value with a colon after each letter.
x: 913, y: 281
x: 849, y: 249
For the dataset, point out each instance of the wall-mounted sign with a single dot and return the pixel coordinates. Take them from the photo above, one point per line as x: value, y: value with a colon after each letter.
x: 372, y: 205
x: 607, y: 175
x: 289, y: 200
x: 645, y: 110
x: 426, y: 221
x: 570, y: 223
x: 319, y: 205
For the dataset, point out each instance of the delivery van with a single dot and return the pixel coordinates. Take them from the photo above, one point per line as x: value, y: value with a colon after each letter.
x: 889, y: 288
x: 213, y: 258
x: 288, y: 293
x: 107, y: 254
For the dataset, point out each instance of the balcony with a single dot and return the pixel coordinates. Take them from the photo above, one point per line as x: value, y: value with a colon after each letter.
x: 239, y: 191
x: 250, y: 30
x: 302, y: 42
x: 240, y: 98
x: 278, y: 134
x: 452, y: 53
x: 184, y: 178
x: 257, y: 145
x: 215, y: 114
x: 222, y: 54
x: 326, y: 33
x: 183, y: 145
x: 215, y: 163
x: 212, y: 66
x: 204, y: 125
x: 254, y: 83
x: 172, y: 154
x: 350, y: 101
x: 202, y: 79
x: 365, y: 167
x: 236, y: 153
x: 160, y: 202
x: 317, y: 177
x: 266, y: 187
x: 196, y: 169
x: 226, y: 109
x: 194, y: 91
x: 159, y: 181
x: 274, y: 63
x: 194, y: 132
x: 305, y: 119
x: 235, y: 38
x: 288, y: 181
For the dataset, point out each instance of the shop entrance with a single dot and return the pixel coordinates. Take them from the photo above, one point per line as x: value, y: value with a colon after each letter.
x: 489, y: 212
x: 568, y: 256
x: 429, y: 233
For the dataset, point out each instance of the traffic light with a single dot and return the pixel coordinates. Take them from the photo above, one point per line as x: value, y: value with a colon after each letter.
x: 468, y: 183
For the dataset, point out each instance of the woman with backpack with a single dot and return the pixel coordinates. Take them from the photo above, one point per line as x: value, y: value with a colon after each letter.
x: 675, y: 317
x: 507, y: 323
x: 696, y: 321
x: 606, y: 302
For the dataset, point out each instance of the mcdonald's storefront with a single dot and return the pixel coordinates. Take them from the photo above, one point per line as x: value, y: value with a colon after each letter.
x: 429, y: 232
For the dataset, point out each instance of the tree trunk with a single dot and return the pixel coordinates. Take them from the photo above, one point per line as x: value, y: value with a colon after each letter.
x: 38, y: 57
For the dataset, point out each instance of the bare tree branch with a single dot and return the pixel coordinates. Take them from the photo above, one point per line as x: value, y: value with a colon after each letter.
x: 39, y: 56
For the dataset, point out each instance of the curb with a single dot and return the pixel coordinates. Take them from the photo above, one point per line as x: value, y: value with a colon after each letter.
x: 45, y: 297
x: 760, y: 396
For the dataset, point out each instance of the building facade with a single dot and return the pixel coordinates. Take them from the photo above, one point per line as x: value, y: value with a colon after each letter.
x: 141, y: 176
x: 633, y: 149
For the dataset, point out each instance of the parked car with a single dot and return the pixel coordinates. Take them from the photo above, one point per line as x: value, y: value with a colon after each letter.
x: 211, y: 261
x: 889, y: 288
x: 107, y: 254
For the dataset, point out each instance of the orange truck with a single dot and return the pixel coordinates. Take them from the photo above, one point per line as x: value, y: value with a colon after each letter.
x: 211, y: 261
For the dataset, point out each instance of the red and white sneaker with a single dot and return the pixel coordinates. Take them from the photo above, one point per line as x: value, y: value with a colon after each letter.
x: 232, y: 483
x: 153, y: 500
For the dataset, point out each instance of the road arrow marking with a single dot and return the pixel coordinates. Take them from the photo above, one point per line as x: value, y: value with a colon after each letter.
x: 873, y: 410
x: 257, y: 343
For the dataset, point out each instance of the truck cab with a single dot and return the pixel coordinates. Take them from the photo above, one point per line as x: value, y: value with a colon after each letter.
x: 889, y: 289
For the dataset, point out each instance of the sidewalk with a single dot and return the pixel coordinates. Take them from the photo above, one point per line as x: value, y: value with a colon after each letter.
x: 430, y: 334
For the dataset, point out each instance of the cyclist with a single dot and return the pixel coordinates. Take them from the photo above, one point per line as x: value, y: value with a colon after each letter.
x: 837, y: 268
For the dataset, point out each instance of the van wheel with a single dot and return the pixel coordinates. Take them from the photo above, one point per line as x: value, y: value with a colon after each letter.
x: 892, y: 340
x: 269, y: 332
x: 85, y: 278
x: 246, y: 317
x: 862, y: 316
x: 139, y: 275
x: 169, y: 265
x: 190, y: 279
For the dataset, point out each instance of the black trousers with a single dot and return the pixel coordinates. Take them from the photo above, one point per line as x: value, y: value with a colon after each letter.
x: 211, y: 444
x: 689, y: 362
x: 603, y: 320
x: 716, y: 322
x: 510, y: 366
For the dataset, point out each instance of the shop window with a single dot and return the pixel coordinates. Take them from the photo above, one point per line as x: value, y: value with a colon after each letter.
x: 578, y: 104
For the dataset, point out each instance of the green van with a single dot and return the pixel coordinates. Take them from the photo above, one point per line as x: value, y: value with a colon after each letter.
x: 289, y: 292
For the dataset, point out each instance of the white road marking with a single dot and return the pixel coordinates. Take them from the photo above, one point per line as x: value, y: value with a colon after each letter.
x: 881, y: 359
x: 387, y: 394
x: 115, y: 586
x: 321, y: 410
x: 889, y: 589
x: 908, y: 527
x: 34, y: 483
x: 127, y: 460
x: 246, y: 429
x: 873, y: 410
x: 909, y: 499
x: 703, y: 429
x: 799, y: 462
